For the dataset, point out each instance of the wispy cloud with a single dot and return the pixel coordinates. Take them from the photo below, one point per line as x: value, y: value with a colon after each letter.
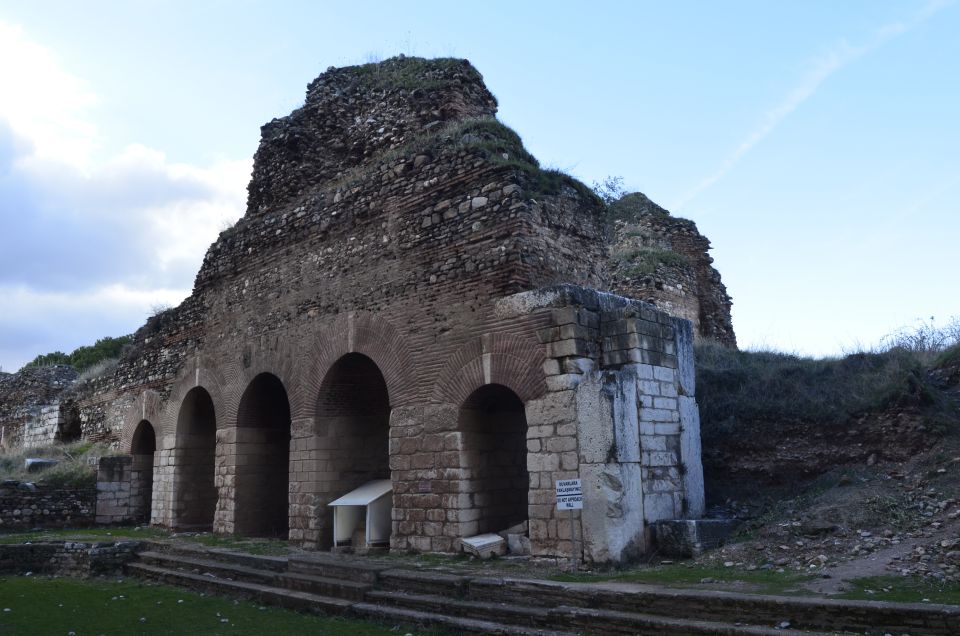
x: 88, y: 245
x: 840, y: 56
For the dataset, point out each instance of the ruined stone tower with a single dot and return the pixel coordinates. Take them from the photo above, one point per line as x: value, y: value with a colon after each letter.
x: 410, y: 297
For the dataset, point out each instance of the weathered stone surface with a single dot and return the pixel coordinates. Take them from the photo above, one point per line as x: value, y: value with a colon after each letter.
x: 664, y: 260
x: 37, y: 507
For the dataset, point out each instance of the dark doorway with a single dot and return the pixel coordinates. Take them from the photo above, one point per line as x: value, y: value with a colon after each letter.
x: 261, y: 497
x: 196, y: 494
x: 353, y: 429
x: 142, y: 449
x: 494, y: 429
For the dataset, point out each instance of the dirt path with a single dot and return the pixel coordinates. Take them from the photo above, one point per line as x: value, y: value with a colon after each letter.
x: 878, y: 563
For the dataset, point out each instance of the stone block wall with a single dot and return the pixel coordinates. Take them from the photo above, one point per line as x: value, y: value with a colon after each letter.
x: 124, y: 489
x: 41, y: 508
x: 618, y: 413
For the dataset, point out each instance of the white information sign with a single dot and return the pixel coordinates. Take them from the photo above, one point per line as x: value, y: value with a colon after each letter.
x: 569, y: 494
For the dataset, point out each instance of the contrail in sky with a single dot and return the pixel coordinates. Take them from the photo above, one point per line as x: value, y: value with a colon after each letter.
x: 833, y: 61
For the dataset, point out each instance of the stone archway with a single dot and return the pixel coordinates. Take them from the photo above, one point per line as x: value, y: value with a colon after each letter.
x: 352, y: 429
x: 196, y: 442
x: 493, y: 427
x: 261, y: 496
x: 142, y: 448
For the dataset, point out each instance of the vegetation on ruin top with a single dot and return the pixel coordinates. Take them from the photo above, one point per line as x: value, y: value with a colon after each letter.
x: 414, y: 73
x: 76, y: 464
x: 631, y: 207
x: 489, y: 139
x: 643, y: 261
x: 87, y: 356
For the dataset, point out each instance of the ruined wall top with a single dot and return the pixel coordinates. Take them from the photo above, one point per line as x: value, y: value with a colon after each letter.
x: 354, y: 113
x: 665, y: 260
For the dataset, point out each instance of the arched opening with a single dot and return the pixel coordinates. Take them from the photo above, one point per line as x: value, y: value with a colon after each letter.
x: 69, y: 429
x: 494, y: 429
x: 263, y: 459
x: 353, y: 430
x: 196, y: 493
x: 142, y: 448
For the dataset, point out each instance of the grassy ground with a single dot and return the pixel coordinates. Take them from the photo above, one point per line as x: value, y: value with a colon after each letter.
x: 902, y: 589
x: 687, y: 575
x: 39, y: 605
x: 248, y: 545
x: 86, y: 534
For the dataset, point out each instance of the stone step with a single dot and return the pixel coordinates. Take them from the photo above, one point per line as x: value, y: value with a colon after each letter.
x: 325, y: 586
x: 330, y: 566
x: 727, y: 607
x: 266, y: 594
x: 581, y: 620
x: 220, y: 569
x: 424, y: 582
x: 456, y: 624
x: 226, y: 555
x: 307, y: 602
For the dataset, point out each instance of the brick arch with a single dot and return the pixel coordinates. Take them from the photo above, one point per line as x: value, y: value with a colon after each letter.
x: 147, y: 406
x: 194, y: 373
x: 510, y: 360
x: 279, y: 361
x: 355, y: 332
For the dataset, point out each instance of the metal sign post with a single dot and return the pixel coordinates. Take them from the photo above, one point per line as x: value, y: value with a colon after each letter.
x: 570, y: 497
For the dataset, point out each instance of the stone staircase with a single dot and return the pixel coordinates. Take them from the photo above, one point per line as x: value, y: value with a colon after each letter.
x: 471, y: 604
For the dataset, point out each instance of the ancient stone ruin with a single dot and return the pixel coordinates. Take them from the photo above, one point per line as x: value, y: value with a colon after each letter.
x: 410, y: 297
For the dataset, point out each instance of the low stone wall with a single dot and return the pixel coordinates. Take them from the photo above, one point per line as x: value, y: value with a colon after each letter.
x: 68, y: 558
x: 22, y: 509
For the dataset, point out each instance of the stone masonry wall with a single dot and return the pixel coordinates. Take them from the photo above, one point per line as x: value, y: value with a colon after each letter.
x: 664, y: 260
x: 26, y: 401
x: 124, y: 489
x: 70, y: 558
x: 22, y: 509
x: 619, y: 414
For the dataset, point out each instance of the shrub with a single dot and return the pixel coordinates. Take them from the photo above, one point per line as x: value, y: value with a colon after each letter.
x: 74, y: 469
x: 646, y: 260
x: 756, y: 386
x: 86, y: 356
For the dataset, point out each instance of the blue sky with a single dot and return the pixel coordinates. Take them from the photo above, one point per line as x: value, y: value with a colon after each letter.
x: 815, y: 143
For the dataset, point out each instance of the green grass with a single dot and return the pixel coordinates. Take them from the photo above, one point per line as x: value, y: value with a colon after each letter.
x: 903, y: 589
x: 414, y: 73
x: 86, y: 534
x: 949, y: 357
x: 73, y: 470
x: 684, y: 575
x: 646, y: 260
x: 40, y: 605
x: 249, y: 545
x: 766, y: 386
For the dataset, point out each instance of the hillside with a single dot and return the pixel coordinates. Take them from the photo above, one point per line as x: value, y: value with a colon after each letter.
x: 842, y: 468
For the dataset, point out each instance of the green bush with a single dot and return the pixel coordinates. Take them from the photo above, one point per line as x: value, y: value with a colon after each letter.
x: 86, y: 356
x: 646, y: 260
x: 757, y: 386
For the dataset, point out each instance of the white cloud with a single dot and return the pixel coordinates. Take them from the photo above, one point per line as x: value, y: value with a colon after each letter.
x: 43, y: 102
x: 839, y: 57
x: 89, y: 237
